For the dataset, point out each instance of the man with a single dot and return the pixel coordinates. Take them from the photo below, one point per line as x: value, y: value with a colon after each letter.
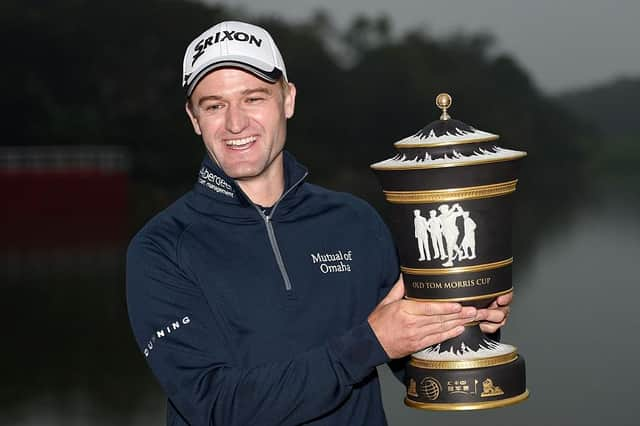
x: 255, y: 298
x: 420, y: 225
x: 448, y: 217
x: 434, y: 226
x: 468, y: 244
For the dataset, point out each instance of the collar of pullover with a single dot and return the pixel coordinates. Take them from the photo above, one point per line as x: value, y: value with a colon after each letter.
x: 217, y: 193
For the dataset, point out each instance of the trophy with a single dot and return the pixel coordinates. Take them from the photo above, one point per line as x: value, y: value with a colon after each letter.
x: 450, y: 187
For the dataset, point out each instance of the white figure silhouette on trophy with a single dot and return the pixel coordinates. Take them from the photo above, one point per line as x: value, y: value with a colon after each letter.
x: 468, y: 244
x: 420, y: 224
x: 450, y: 230
x: 434, y: 226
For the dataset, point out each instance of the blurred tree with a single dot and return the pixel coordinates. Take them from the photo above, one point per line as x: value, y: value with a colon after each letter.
x: 102, y: 73
x: 321, y: 84
x: 614, y: 152
x: 87, y: 72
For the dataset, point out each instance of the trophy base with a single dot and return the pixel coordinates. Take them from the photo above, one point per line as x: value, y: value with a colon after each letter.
x: 451, y: 386
x: 466, y: 406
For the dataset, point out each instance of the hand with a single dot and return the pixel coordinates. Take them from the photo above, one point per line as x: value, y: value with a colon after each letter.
x: 406, y: 326
x: 497, y: 313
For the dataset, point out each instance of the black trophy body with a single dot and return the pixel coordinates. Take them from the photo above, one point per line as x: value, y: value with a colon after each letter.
x: 451, y: 191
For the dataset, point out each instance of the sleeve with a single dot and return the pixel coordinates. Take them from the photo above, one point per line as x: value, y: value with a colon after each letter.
x: 390, y: 273
x: 390, y: 265
x: 190, y: 352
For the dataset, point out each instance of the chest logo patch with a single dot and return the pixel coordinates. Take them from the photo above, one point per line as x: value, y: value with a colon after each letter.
x: 339, y: 261
x: 212, y: 181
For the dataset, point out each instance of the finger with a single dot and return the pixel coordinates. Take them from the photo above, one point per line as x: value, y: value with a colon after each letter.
x: 433, y: 339
x: 502, y: 300
x: 481, y: 315
x: 505, y: 299
x: 396, y: 292
x: 497, y: 315
x: 440, y: 322
x: 489, y: 327
x: 418, y: 333
x: 494, y: 315
x: 434, y: 308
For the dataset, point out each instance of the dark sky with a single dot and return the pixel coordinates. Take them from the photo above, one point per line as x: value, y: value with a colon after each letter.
x: 564, y: 44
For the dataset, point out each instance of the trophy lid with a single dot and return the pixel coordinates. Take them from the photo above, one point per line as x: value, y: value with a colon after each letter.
x: 447, y: 143
x: 445, y: 131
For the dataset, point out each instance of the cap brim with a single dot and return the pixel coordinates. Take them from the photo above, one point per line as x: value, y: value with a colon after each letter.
x: 269, y: 76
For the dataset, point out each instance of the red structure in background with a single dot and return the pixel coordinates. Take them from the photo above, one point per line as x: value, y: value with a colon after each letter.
x: 63, y: 197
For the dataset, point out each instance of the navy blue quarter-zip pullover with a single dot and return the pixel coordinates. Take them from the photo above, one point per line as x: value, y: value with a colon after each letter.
x: 252, y: 317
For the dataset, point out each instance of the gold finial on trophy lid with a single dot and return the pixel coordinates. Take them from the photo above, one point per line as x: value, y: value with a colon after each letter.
x: 443, y: 101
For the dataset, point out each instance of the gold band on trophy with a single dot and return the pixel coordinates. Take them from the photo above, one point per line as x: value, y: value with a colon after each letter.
x: 457, y: 269
x: 453, y: 194
x: 462, y: 299
x: 458, y: 163
x: 463, y: 406
x: 404, y: 144
x: 463, y: 365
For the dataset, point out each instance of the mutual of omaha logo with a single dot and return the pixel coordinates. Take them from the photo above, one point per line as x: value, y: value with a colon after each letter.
x: 339, y: 261
x: 442, y: 231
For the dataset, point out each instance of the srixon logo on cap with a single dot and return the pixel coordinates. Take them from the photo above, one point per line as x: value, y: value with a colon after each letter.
x: 221, y: 36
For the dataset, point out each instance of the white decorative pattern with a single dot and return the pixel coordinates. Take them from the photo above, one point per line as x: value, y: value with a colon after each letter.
x: 457, y: 136
x: 443, y: 231
x: 480, y: 155
x: 488, y: 348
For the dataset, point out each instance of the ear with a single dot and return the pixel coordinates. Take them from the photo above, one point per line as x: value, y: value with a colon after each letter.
x: 290, y: 101
x: 193, y: 119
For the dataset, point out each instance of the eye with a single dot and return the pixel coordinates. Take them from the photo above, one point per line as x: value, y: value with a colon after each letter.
x: 213, y: 107
x: 254, y: 99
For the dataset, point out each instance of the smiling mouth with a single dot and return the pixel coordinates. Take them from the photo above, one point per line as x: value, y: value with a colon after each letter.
x: 240, y: 143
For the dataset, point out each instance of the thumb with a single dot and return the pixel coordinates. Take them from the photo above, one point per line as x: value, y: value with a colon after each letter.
x: 396, y: 293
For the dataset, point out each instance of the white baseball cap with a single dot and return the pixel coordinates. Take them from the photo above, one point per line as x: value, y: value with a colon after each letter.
x: 236, y: 45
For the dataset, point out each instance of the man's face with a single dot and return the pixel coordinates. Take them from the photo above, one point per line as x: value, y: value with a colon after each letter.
x: 242, y: 121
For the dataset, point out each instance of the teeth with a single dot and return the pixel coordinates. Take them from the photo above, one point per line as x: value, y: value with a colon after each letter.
x: 238, y: 142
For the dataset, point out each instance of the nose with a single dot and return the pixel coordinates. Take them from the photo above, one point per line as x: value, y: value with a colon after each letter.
x: 236, y: 119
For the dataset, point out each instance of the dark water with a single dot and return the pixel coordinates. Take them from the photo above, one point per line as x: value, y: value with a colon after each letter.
x: 71, y: 358
x: 68, y: 357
